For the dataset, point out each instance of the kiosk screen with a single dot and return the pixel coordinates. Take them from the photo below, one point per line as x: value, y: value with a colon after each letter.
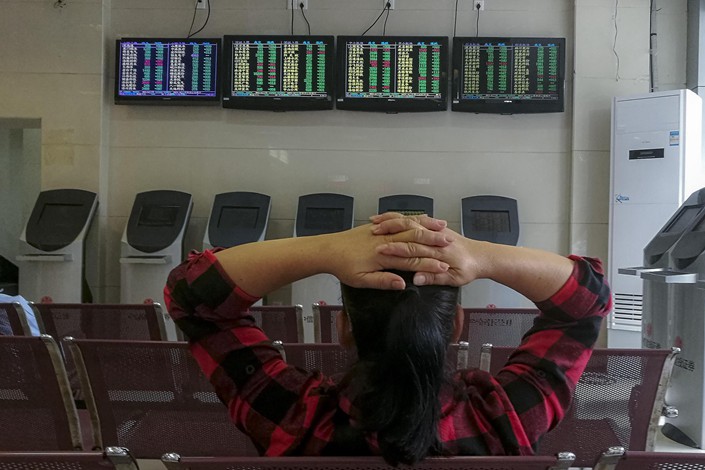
x: 324, y: 218
x: 700, y: 227
x: 232, y: 217
x: 154, y: 215
x: 490, y: 221
x: 60, y: 215
x: 682, y: 220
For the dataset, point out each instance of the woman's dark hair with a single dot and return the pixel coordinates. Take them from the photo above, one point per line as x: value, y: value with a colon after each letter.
x: 402, y: 338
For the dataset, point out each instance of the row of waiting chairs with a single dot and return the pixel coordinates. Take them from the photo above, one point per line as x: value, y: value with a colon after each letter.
x: 501, y: 327
x: 151, y: 397
x: 615, y: 458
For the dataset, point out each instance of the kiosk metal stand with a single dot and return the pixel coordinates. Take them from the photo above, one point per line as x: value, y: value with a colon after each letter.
x: 656, y: 316
x: 656, y: 162
x: 318, y: 214
x: 685, y: 288
x: 52, y: 252
x: 152, y: 245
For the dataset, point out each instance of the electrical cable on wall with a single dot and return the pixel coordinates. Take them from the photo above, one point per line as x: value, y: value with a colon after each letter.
x: 384, y: 29
x: 387, y: 6
x: 653, y: 48
x: 301, y: 7
x: 616, y: 33
x: 477, y: 21
x: 208, y: 16
x: 292, y: 17
x: 455, y: 18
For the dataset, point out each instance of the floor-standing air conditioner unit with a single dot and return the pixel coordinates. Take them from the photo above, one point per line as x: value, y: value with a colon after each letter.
x: 656, y: 163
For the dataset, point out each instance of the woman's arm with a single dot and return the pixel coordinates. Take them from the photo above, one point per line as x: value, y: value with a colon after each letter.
x: 534, y: 273
x: 352, y: 256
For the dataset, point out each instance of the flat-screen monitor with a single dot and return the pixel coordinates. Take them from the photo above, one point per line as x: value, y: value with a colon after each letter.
x: 278, y: 73
x: 167, y: 71
x: 392, y: 73
x: 508, y: 75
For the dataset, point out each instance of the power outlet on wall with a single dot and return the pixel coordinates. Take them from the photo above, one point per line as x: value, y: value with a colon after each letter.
x: 388, y: 2
x: 478, y: 5
x: 296, y: 4
x: 200, y: 4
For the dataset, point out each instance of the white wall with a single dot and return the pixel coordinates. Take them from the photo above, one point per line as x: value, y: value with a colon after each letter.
x: 555, y: 165
x: 20, y: 150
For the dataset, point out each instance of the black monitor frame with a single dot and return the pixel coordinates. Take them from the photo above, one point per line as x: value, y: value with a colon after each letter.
x: 490, y: 207
x: 507, y: 103
x: 391, y: 103
x: 274, y: 101
x: 173, y: 97
x: 58, y: 217
x: 341, y: 205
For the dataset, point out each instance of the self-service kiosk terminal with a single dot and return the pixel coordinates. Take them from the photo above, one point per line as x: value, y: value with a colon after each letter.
x: 318, y: 214
x: 494, y: 219
x: 52, y: 251
x: 656, y: 319
x: 152, y: 245
x: 407, y: 204
x: 237, y: 218
x: 686, y: 314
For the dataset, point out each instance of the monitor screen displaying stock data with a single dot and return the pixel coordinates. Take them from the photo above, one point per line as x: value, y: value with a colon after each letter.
x: 392, y: 73
x: 167, y: 71
x: 278, y: 72
x: 508, y: 75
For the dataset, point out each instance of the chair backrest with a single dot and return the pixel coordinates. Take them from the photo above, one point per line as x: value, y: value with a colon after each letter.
x: 102, y: 321
x: 36, y: 408
x: 283, y: 323
x: 498, y: 326
x: 616, y: 458
x: 324, y: 323
x: 98, y: 321
x: 151, y: 397
x: 617, y: 402
x: 114, y: 457
x: 333, y: 359
x: 535, y: 462
x: 328, y: 358
x: 15, y: 317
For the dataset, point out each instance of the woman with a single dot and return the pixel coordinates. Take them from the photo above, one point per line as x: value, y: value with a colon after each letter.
x: 395, y: 401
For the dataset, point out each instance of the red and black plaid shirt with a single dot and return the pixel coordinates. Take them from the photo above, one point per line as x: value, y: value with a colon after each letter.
x: 289, y: 411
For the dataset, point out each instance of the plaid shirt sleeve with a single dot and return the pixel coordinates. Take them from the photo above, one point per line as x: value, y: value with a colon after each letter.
x: 273, y: 403
x: 540, y: 376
